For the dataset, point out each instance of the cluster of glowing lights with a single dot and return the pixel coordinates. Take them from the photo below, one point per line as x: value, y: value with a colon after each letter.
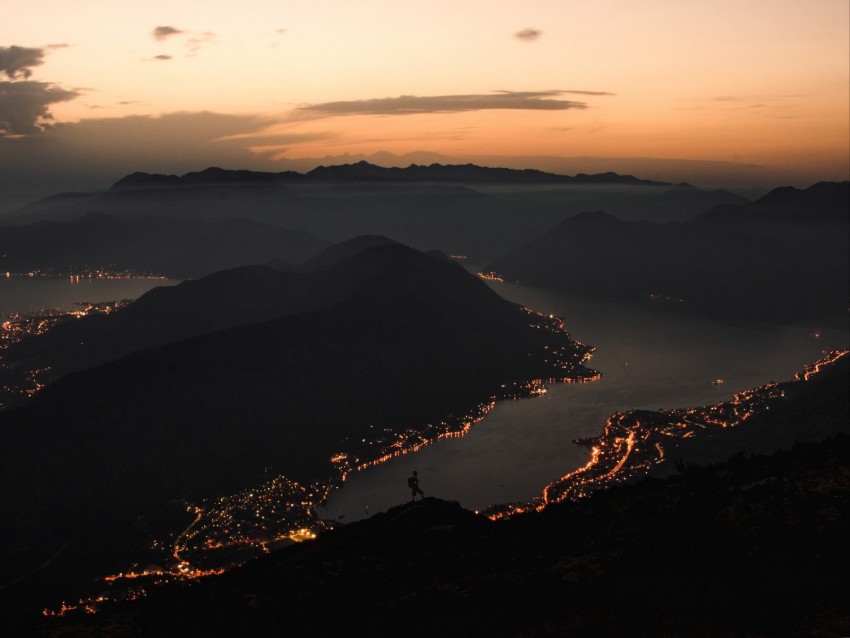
x: 249, y: 521
x: 814, y: 368
x: 230, y: 529
x: 17, y: 327
x: 79, y: 274
x: 413, y: 439
x: 491, y: 276
x: 303, y: 534
x: 92, y: 604
x: 628, y: 446
x: 114, y: 275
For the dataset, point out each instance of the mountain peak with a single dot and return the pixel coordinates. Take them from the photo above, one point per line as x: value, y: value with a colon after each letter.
x: 343, y: 250
x: 144, y: 181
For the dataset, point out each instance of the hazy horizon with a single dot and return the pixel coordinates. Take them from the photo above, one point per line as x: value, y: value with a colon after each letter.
x: 719, y: 94
x: 702, y: 174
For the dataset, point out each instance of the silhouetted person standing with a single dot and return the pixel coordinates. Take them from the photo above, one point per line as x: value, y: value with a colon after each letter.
x: 413, y: 484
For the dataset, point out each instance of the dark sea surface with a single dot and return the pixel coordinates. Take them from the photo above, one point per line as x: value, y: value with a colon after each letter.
x: 30, y: 294
x: 649, y: 359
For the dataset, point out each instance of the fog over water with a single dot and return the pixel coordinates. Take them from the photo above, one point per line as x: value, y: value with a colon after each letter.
x: 649, y: 359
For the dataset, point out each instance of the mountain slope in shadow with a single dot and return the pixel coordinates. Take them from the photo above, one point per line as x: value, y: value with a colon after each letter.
x: 176, y: 248
x: 412, y: 339
x: 754, y: 546
x: 782, y: 258
x: 225, y: 299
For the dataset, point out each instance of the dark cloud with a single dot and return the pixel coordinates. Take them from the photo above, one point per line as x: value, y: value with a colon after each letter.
x: 24, y: 106
x: 413, y: 104
x: 528, y: 35
x: 161, y: 33
x: 194, y: 41
x: 16, y: 61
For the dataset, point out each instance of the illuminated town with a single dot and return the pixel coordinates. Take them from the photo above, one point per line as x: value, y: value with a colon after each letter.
x: 633, y: 442
x: 491, y: 276
x: 86, y: 272
x: 20, y: 383
x: 17, y: 384
x: 229, y: 530
x: 226, y: 531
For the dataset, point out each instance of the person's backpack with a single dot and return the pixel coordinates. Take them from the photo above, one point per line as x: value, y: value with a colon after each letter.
x: 411, y: 482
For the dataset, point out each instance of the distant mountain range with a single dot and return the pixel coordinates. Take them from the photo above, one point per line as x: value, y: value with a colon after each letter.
x: 821, y: 203
x: 460, y: 209
x: 177, y: 248
x: 784, y: 257
x: 241, y: 371
x: 365, y: 172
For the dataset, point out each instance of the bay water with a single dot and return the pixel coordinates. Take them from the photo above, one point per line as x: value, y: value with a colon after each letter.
x: 649, y: 358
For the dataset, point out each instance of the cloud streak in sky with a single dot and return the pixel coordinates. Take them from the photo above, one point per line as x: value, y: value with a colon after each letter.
x: 194, y: 41
x: 528, y: 35
x: 415, y: 104
x: 24, y: 106
x: 163, y: 33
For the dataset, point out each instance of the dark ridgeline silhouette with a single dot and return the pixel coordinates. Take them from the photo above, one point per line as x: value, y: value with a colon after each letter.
x: 756, y: 546
x: 413, y: 484
x: 462, y: 174
x: 782, y: 258
x: 222, y: 300
x: 239, y: 371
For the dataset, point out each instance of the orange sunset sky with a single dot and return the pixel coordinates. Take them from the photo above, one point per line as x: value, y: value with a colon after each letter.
x: 720, y: 93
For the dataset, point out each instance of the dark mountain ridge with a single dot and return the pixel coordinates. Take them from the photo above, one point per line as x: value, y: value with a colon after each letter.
x: 824, y: 202
x: 782, y: 258
x: 222, y: 300
x: 755, y: 546
x: 410, y: 340
x: 463, y: 173
x: 366, y: 172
